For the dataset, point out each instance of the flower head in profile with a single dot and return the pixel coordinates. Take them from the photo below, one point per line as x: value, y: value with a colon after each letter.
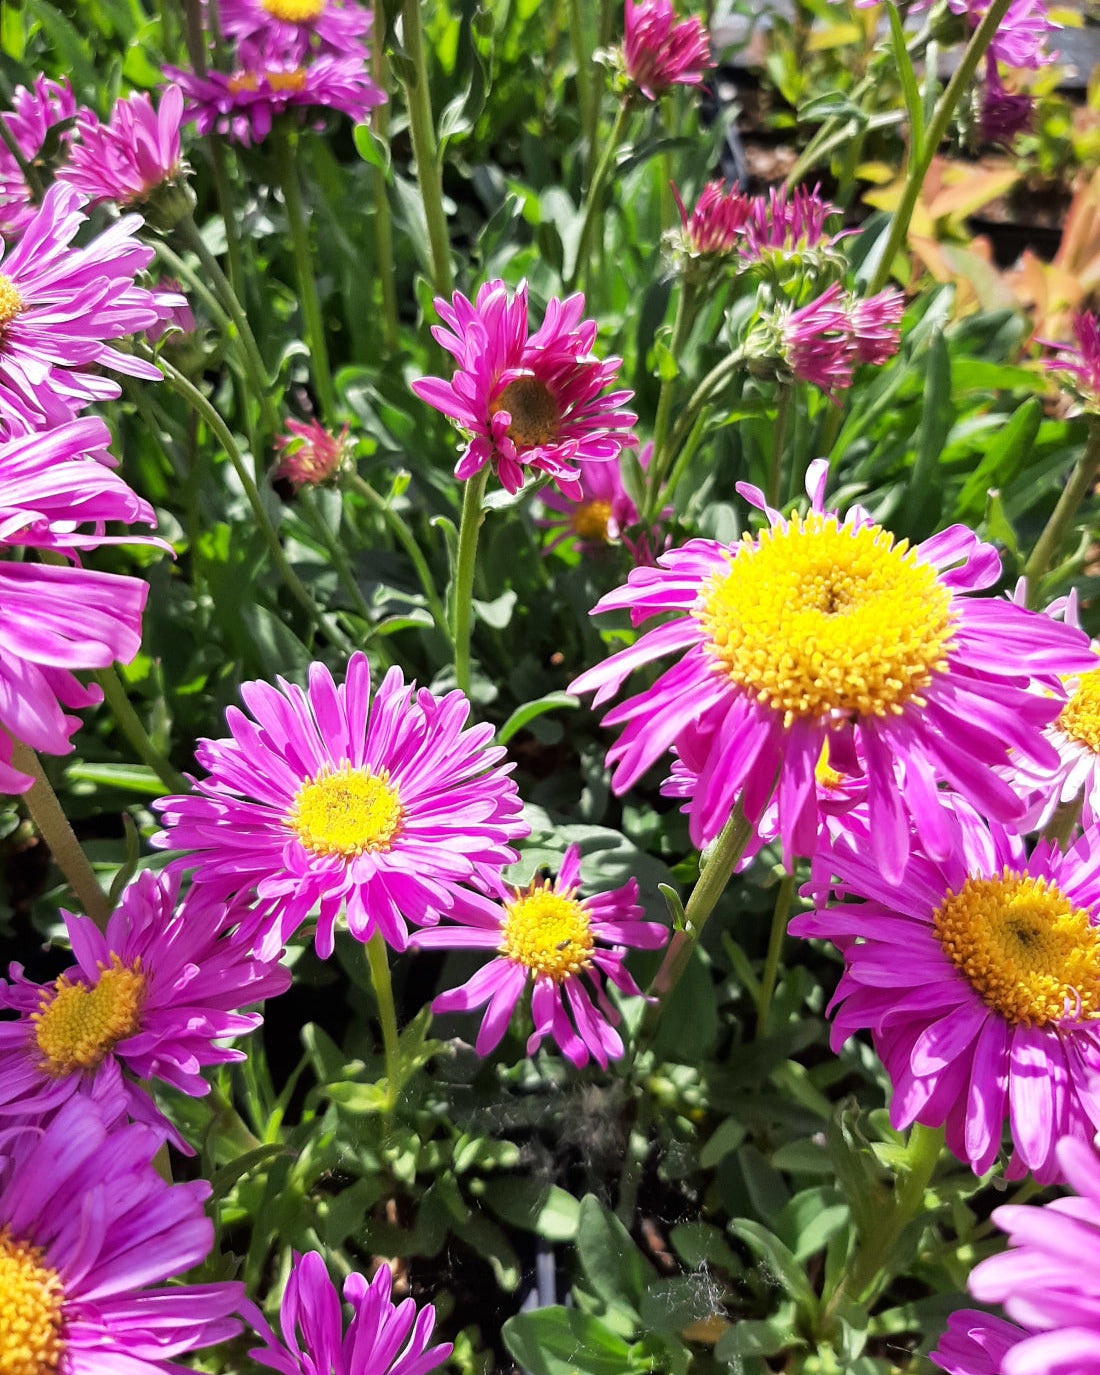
x: 324, y: 799
x: 907, y: 669
x: 787, y: 232
x: 976, y: 1344
x: 710, y: 235
x: 57, y: 619
x: 134, y: 160
x: 309, y: 454
x: 382, y: 1338
x: 41, y: 124
x: 978, y: 976
x: 300, y: 28
x: 1020, y: 38
x: 604, y: 513
x: 1003, y: 113
x: 1078, y: 367
x: 525, y: 400
x: 876, y: 325
x: 157, y: 994
x: 660, y: 51
x: 175, y: 314
x: 88, y: 1230
x: 817, y: 342
x: 548, y: 934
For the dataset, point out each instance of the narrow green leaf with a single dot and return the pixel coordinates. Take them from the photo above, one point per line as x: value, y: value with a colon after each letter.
x: 909, y: 88
x: 565, y: 1341
x: 1001, y: 461
x: 779, y: 1261
x: 527, y: 713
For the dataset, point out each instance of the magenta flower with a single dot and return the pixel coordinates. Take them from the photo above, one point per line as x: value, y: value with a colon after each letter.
x: 817, y: 342
x: 328, y: 800
x: 785, y: 227
x: 154, y: 995
x: 527, y: 401
x: 1020, y: 36
x: 298, y: 28
x: 603, y: 514
x: 550, y: 934
x: 1079, y: 367
x: 978, y: 976
x: 1003, y: 114
x: 876, y: 325
x: 86, y: 1226
x: 55, y: 620
x: 1049, y: 1278
x: 134, y: 160
x: 975, y: 1343
x: 34, y: 121
x: 822, y: 628
x: 658, y: 52
x: 310, y: 455
x: 59, y: 307
x: 173, y: 311
x: 380, y: 1339
x: 715, y: 225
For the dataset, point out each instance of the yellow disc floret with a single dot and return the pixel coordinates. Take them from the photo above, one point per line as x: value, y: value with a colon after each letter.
x: 77, y: 1025
x: 1025, y: 949
x: 590, y: 520
x: 11, y: 303
x: 30, y: 1310
x: 1080, y: 718
x: 547, y: 932
x: 536, y: 418
x: 821, y: 617
x: 294, y: 11
x: 346, y: 811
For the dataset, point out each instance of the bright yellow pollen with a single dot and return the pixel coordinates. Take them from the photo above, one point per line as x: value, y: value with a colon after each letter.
x: 819, y: 618
x: 30, y: 1310
x: 11, y: 303
x: 1024, y: 948
x: 78, y: 1024
x: 347, y: 812
x: 536, y: 418
x: 294, y: 11
x: 1080, y: 718
x: 590, y: 519
x: 547, y: 932
x: 824, y: 774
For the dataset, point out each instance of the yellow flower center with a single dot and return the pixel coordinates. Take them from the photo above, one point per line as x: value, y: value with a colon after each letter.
x: 30, y: 1310
x: 287, y: 81
x: 294, y: 11
x: 11, y: 303
x: 347, y: 812
x: 819, y: 617
x: 590, y: 520
x: 1080, y: 718
x: 243, y: 81
x: 77, y: 1025
x: 547, y: 932
x: 1024, y: 948
x: 536, y: 418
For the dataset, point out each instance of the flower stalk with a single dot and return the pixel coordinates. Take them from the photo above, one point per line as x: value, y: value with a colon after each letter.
x: 379, y: 965
x: 129, y: 722
x: 775, y: 948
x: 1080, y: 484
x: 429, y: 168
x: 592, y: 209
x: 462, y: 608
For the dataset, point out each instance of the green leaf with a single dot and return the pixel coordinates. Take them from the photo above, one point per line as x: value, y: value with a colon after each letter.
x: 672, y: 1304
x: 565, y: 1341
x: 371, y: 148
x: 225, y: 1178
x: 1001, y: 461
x: 529, y: 710
x: 544, y: 1209
x: 612, y: 1264
x: 766, y: 1338
x: 909, y: 89
x: 938, y: 413
x: 779, y: 1261
x: 810, y: 1218
x: 483, y: 1154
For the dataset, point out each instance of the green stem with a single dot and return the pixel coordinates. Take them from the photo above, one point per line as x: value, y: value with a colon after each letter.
x: 683, y: 458
x: 407, y: 540
x: 53, y: 826
x: 336, y: 552
x: 383, y: 221
x: 592, y: 209
x: 592, y: 125
x: 921, y: 159
x: 658, y: 464
x: 583, y: 59
x: 779, y: 435
x: 224, y: 193
x: 775, y: 949
x: 1080, y: 483
x: 637, y: 1152
x: 701, y: 397
x: 429, y: 167
x: 379, y: 964
x: 463, y: 605
x: 286, y: 140
x: 129, y: 722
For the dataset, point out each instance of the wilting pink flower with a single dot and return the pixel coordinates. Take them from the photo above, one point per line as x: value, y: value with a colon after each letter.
x: 58, y: 619
x: 1020, y: 37
x: 298, y: 28
x: 876, y: 325
x: 1080, y: 366
x: 87, y: 1225
x: 603, y: 514
x: 326, y: 798
x: 818, y: 344
x: 1049, y: 1278
x: 59, y: 307
x: 310, y: 455
x: 715, y: 225
x: 380, y: 1339
x: 782, y: 226
x: 547, y: 933
x: 976, y: 1343
x: 1003, y: 114
x: 920, y: 673
x: 659, y: 52
x: 33, y: 123
x: 978, y: 976
x: 527, y: 400
x: 157, y: 994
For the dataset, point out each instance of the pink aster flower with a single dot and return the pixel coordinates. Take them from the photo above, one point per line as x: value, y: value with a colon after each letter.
x: 173, y: 310
x: 547, y: 933
x: 818, y: 344
x: 1079, y: 367
x: 381, y: 1338
x: 59, y: 307
x: 821, y: 628
x: 1003, y: 114
x: 1049, y: 1278
x: 975, y: 1343
x: 604, y: 513
x: 55, y: 620
x: 527, y: 400
x: 310, y: 455
x: 40, y: 122
x: 876, y: 325
x: 978, y: 976
x: 659, y: 52
x: 300, y: 28
x: 87, y: 1225
x: 714, y: 227
x: 783, y: 227
x: 1021, y: 35
x: 324, y: 799
x: 135, y: 160
x: 157, y: 994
